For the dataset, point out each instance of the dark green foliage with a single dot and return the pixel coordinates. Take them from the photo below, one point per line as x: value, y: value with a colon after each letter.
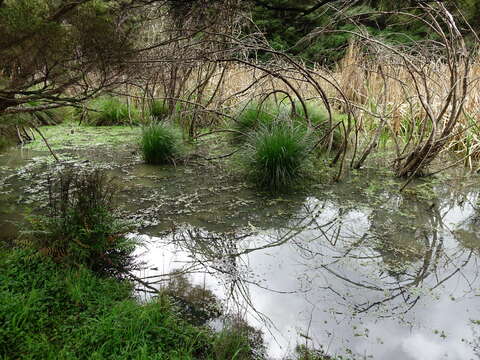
x: 287, y: 30
x: 158, y: 110
x: 251, y: 118
x: 49, y: 312
x: 108, y: 110
x: 278, y: 155
x: 59, y: 45
x: 160, y: 143
x: 80, y: 227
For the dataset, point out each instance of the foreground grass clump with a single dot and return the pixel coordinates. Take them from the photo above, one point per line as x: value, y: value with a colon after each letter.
x: 48, y: 311
x: 80, y: 227
x: 251, y: 118
x: 278, y: 156
x: 108, y: 110
x: 160, y: 143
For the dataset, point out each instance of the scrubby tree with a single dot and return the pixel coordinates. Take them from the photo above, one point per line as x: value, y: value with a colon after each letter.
x: 57, y: 52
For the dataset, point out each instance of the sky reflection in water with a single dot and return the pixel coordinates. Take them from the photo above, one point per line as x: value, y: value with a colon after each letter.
x: 359, y: 281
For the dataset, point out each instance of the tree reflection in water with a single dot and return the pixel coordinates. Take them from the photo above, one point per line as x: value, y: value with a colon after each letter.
x: 380, y: 261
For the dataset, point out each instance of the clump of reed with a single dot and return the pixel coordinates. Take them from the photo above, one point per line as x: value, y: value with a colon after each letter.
x: 278, y: 155
x: 80, y: 226
x: 160, y: 143
x: 318, y: 119
x: 252, y: 117
x: 109, y: 110
x: 158, y: 110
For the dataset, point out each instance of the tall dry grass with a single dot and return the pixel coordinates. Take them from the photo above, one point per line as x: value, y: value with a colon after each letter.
x: 388, y: 104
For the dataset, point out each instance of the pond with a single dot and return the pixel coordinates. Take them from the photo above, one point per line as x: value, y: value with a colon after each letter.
x: 354, y: 267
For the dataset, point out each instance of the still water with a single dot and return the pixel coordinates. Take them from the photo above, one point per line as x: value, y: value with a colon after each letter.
x: 354, y: 267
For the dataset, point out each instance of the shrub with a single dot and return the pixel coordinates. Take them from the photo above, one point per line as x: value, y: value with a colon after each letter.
x: 160, y: 144
x: 158, y: 110
x: 109, y: 110
x: 80, y: 227
x: 278, y: 155
x: 250, y: 118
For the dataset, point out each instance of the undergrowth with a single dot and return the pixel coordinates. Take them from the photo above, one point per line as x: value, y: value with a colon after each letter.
x: 320, y: 121
x: 160, y: 144
x: 108, y: 110
x: 158, y: 110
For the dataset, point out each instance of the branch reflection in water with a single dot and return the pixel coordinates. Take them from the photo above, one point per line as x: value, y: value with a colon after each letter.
x: 391, y: 280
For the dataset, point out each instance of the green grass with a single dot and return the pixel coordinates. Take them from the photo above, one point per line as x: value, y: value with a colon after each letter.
x: 319, y: 119
x: 158, y: 110
x: 49, y: 312
x: 160, y: 143
x: 108, y: 111
x: 80, y: 227
x: 251, y: 118
x: 278, y: 156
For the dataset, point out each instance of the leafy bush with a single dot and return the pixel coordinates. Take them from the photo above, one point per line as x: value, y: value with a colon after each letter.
x: 278, y: 155
x: 80, y: 227
x: 160, y: 143
x: 158, y: 110
x: 108, y: 110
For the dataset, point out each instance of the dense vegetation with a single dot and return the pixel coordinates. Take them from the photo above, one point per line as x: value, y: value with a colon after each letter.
x: 289, y: 25
x: 305, y: 89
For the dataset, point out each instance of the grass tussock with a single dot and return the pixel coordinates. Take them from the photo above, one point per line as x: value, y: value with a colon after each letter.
x: 318, y: 118
x: 81, y: 228
x: 158, y: 110
x: 251, y: 118
x: 108, y: 111
x: 278, y: 156
x: 160, y: 143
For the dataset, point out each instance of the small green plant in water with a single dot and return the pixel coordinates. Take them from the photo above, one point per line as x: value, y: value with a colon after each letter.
x: 160, y: 143
x: 279, y: 155
x: 158, y: 110
x: 108, y: 110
